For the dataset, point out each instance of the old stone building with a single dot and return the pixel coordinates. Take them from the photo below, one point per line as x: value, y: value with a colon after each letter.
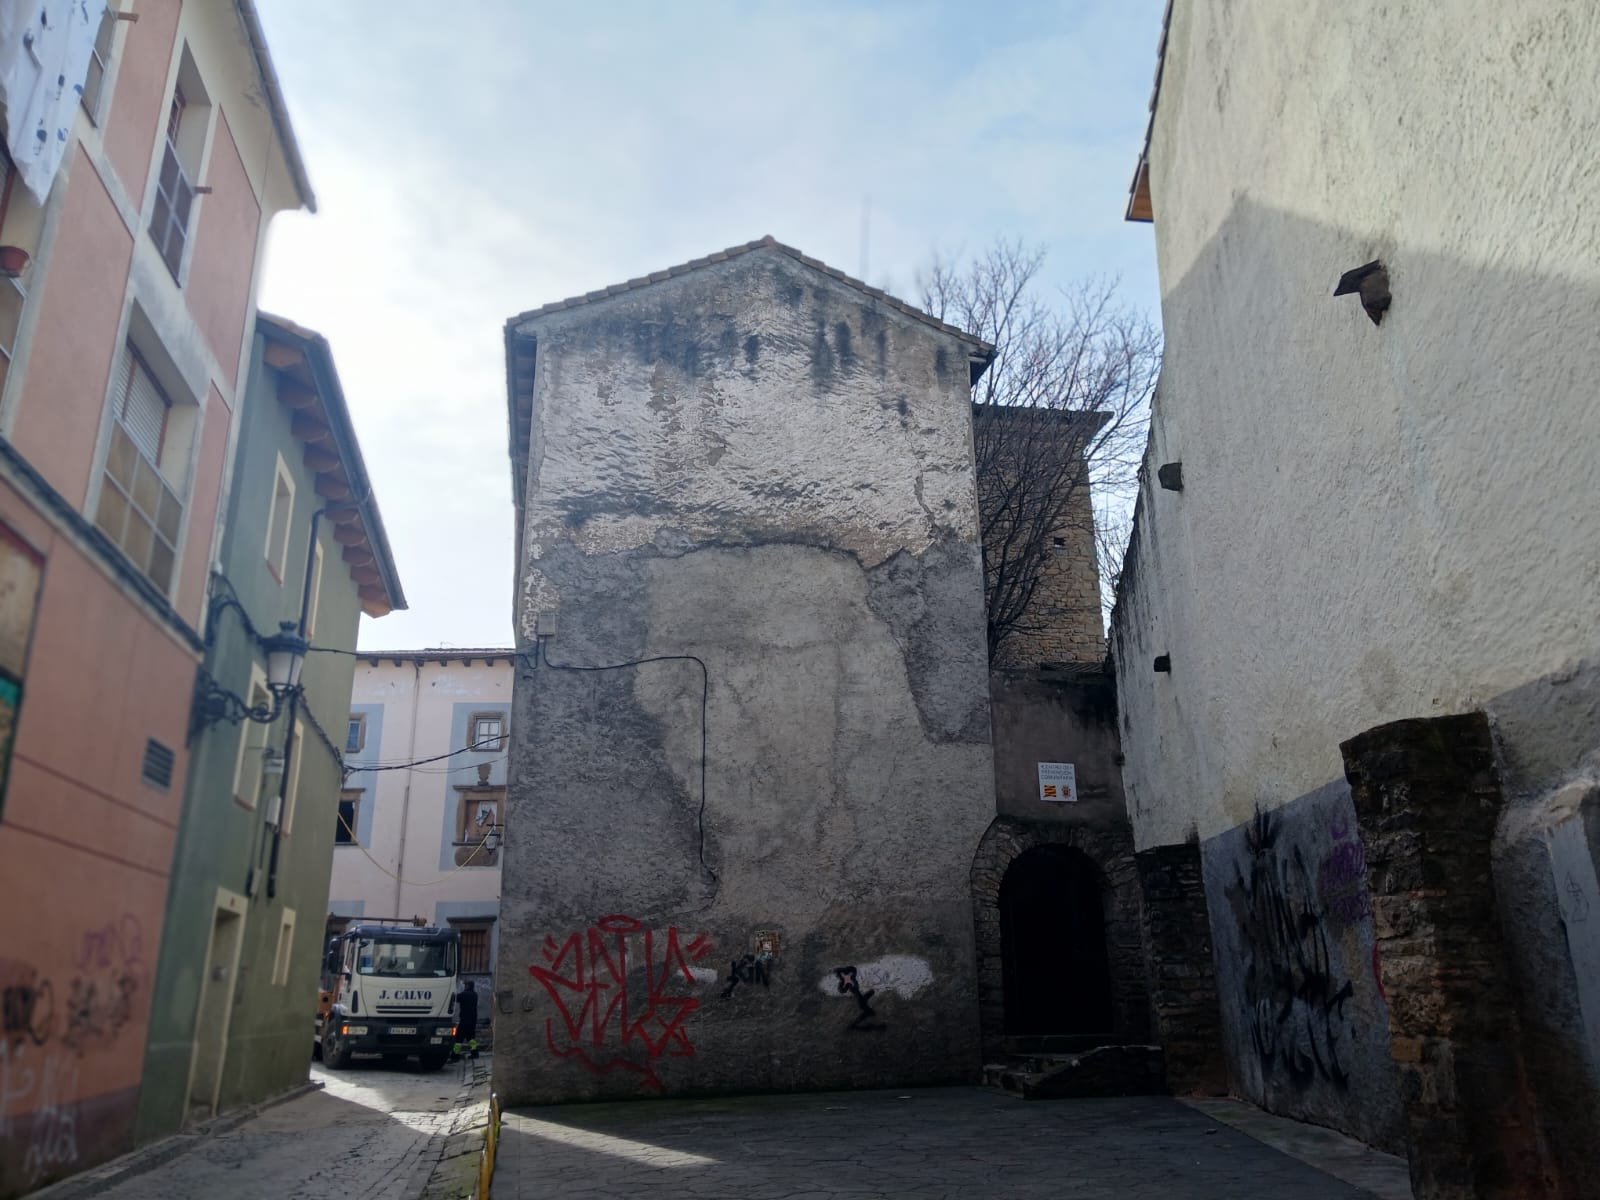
x: 751, y: 747
x: 1357, y: 633
x: 1055, y: 891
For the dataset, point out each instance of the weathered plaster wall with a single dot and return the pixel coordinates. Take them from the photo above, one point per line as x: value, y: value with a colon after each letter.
x: 1376, y: 522
x: 758, y: 466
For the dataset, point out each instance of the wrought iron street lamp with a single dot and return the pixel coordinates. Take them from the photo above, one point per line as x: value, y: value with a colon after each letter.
x: 285, y: 652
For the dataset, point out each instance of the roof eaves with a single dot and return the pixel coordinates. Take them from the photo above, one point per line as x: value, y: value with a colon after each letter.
x: 319, y: 356
x: 275, y: 103
x: 1140, y: 207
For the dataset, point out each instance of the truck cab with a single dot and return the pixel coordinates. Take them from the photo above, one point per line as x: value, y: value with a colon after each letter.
x: 389, y: 989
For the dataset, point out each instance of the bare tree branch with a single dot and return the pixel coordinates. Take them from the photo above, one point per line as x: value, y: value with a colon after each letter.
x: 1059, y: 421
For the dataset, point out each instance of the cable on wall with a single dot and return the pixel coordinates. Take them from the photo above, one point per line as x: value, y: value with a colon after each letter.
x: 705, y: 696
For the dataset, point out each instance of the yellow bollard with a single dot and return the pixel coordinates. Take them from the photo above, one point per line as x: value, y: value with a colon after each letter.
x: 491, y: 1143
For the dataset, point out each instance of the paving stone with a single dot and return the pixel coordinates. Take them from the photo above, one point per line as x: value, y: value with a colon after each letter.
x: 939, y: 1142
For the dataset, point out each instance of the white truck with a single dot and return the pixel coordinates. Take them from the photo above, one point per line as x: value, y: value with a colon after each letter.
x: 388, y: 989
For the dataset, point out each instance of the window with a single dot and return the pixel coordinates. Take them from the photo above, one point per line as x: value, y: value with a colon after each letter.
x: 279, y: 517
x: 344, y: 833
x: 280, y: 960
x: 139, y: 508
x: 356, y: 736
x: 252, y: 746
x: 487, y: 731
x: 169, y: 222
x: 99, y: 60
x: 474, y: 947
x: 316, y: 590
x: 399, y: 956
x: 291, y: 791
x: 478, y: 810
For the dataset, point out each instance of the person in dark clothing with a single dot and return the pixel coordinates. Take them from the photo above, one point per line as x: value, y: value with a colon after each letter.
x: 467, y: 1017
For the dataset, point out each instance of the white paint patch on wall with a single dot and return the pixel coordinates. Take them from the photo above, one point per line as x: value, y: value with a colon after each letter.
x: 904, y: 974
x: 704, y: 976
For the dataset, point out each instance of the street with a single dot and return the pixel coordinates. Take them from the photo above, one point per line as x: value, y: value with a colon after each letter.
x: 931, y: 1143
x: 372, y: 1131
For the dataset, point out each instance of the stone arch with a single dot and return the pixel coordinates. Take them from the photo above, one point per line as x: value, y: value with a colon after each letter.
x: 1110, y: 850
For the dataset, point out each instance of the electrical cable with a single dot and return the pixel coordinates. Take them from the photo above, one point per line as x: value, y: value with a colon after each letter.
x: 402, y: 766
x: 705, y: 697
x: 356, y: 842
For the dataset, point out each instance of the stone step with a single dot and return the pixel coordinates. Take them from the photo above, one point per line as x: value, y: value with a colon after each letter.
x: 1100, y: 1071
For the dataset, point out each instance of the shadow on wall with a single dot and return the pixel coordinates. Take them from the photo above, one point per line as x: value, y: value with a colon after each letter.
x: 1390, y: 553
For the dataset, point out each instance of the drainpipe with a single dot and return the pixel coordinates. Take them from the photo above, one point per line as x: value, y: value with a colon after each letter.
x: 405, y: 802
x: 293, y: 710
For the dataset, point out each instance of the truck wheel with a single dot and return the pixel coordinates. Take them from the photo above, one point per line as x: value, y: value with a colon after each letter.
x: 335, y: 1054
x: 433, y: 1060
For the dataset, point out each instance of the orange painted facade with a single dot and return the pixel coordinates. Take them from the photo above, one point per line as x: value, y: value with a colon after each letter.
x: 107, y: 647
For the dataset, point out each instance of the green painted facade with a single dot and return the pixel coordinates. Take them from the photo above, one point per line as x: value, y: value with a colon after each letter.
x: 243, y: 1033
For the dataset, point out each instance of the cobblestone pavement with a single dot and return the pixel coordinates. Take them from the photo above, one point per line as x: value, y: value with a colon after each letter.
x: 372, y: 1131
x: 926, y: 1143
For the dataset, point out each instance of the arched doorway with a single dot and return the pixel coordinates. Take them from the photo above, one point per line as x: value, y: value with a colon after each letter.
x: 1057, y: 974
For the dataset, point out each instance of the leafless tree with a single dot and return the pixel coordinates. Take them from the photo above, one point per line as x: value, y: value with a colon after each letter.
x: 1059, y: 418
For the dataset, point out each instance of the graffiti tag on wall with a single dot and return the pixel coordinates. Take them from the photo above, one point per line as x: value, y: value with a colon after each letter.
x: 45, y: 1030
x: 622, y: 994
x: 901, y: 974
x: 1295, y: 992
x: 1342, y: 878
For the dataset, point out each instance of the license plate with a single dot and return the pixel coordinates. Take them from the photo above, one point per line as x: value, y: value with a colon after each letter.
x: 404, y: 1030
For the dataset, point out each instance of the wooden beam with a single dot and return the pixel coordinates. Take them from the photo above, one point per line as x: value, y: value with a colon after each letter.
x: 358, y: 555
x: 321, y: 459
x: 367, y: 574
x: 295, y: 396
x: 281, y: 356
x: 307, y: 428
x: 349, y: 535
x: 331, y: 487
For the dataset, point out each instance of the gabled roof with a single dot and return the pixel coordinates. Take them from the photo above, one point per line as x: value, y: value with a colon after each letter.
x: 519, y: 351
x: 308, y: 384
x: 769, y: 243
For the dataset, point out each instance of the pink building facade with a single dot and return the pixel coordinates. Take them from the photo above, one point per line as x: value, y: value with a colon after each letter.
x: 123, y: 344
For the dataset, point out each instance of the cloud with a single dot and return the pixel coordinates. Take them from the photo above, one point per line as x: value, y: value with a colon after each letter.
x: 524, y: 152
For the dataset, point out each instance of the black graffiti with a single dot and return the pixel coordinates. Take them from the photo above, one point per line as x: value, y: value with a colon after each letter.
x: 748, y: 969
x: 1293, y: 993
x: 98, y: 1009
x: 28, y: 1007
x: 850, y: 985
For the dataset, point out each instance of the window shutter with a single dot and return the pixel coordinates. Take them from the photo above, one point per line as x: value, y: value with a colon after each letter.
x: 144, y: 408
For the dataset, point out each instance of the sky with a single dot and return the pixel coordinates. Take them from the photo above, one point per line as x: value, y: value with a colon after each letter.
x: 523, y: 151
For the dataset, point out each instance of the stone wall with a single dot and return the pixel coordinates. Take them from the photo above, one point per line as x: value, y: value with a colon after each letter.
x: 1175, y: 932
x: 744, y: 865
x: 1110, y: 848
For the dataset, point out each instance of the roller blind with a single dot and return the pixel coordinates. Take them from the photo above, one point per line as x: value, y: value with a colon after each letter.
x: 144, y: 408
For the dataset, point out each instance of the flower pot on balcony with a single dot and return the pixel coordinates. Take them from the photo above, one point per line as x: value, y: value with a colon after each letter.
x: 12, y: 260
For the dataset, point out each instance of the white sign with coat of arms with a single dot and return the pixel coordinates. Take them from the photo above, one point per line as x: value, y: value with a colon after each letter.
x: 1058, y: 783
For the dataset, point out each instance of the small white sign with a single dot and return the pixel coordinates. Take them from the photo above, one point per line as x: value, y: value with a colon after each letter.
x: 1058, y: 783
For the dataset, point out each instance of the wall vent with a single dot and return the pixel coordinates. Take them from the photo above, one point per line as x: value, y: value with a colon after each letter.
x: 158, y: 760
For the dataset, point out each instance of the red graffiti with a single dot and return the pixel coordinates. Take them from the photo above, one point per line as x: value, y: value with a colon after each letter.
x: 614, y: 1015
